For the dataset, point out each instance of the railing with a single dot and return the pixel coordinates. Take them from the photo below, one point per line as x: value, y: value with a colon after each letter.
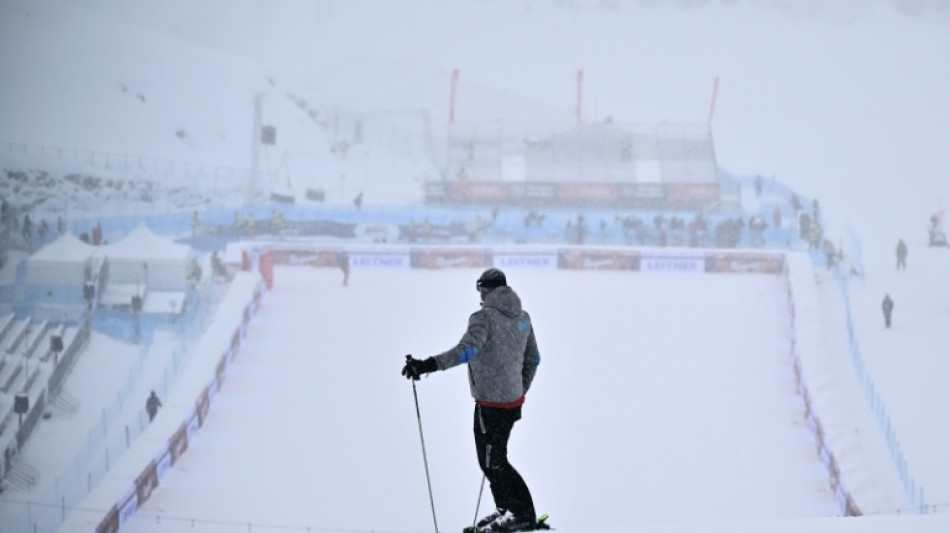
x: 124, y: 162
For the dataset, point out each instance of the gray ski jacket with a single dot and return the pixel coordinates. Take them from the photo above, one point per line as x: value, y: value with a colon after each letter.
x: 500, y: 349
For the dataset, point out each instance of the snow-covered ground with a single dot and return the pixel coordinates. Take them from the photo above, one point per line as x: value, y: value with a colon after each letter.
x: 323, y: 427
x: 843, y: 101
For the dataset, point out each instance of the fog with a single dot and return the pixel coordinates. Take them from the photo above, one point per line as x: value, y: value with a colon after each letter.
x: 845, y: 102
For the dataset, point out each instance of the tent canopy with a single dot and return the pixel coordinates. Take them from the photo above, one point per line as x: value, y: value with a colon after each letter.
x: 143, y: 244
x: 62, y: 262
x: 143, y: 257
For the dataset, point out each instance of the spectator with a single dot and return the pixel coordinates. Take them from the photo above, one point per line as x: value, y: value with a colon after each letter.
x: 97, y: 234
x: 343, y: 260
x: 28, y: 230
x: 888, y: 306
x: 151, y: 406
x: 901, y: 254
x: 831, y: 254
x: 42, y: 230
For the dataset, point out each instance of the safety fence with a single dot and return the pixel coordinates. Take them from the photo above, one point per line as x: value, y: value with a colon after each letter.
x: 114, y: 432
x: 111, y: 501
x: 876, y: 403
x: 819, y: 406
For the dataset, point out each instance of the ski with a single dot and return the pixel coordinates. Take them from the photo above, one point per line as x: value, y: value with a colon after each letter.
x: 542, y: 524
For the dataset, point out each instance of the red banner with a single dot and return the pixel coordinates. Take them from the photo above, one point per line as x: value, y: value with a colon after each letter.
x: 178, y: 444
x: 745, y: 262
x: 478, y: 191
x: 202, y: 406
x: 109, y: 524
x: 448, y: 258
x: 578, y: 259
x: 588, y: 193
x: 146, y: 482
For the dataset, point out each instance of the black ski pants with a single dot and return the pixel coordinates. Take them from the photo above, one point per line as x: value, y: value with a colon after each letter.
x: 492, y: 430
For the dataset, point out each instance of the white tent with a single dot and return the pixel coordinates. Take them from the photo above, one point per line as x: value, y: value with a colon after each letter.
x: 63, y: 262
x: 145, y: 258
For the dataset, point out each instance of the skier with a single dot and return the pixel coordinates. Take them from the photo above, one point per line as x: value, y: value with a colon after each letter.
x: 502, y: 355
x: 151, y: 406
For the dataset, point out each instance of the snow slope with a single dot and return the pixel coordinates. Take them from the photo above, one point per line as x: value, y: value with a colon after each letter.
x: 623, y: 426
x: 842, y: 101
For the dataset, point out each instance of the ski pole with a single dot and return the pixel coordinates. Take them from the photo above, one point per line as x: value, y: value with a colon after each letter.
x: 425, y: 460
x: 479, y: 502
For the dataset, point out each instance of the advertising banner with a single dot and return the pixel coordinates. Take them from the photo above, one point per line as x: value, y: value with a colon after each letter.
x: 504, y: 260
x: 691, y: 194
x: 745, y: 262
x: 235, y: 342
x: 109, y: 524
x: 213, y: 387
x: 163, y: 462
x: 580, y: 259
x: 532, y: 193
x: 303, y: 256
x: 588, y: 193
x: 435, y: 192
x: 222, y: 368
x: 127, y: 505
x: 631, y: 192
x: 202, y: 406
x: 575, y: 193
x: 477, y: 191
x: 193, y: 425
x: 146, y: 482
x: 380, y: 260
x: 448, y: 258
x: 685, y: 261
x: 178, y: 443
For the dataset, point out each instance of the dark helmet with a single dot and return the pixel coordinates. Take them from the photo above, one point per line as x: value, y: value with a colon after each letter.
x: 491, y: 279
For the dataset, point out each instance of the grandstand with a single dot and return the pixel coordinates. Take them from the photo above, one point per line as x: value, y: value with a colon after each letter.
x: 35, y: 358
x: 585, y: 164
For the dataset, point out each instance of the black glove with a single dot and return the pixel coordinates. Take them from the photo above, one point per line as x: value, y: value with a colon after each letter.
x: 415, y: 367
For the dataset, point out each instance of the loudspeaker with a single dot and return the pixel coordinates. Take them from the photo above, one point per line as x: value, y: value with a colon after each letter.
x: 21, y: 404
x: 56, y: 343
